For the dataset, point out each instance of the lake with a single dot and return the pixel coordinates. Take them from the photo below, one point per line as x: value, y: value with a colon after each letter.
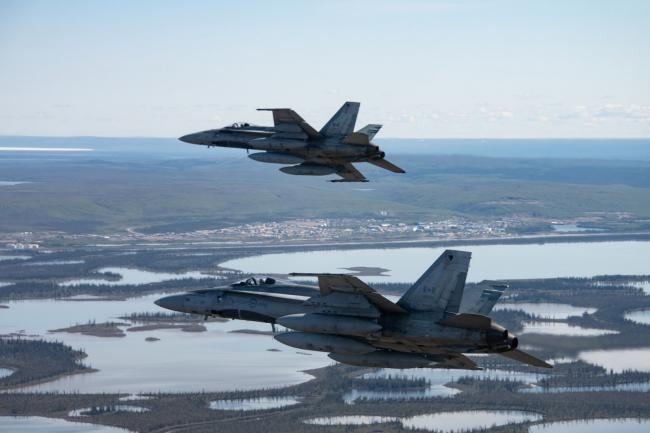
x: 622, y: 425
x: 639, y: 316
x: 440, y: 422
x: 546, y: 310
x: 493, y: 262
x: 215, y: 360
x: 37, y: 424
x: 254, y: 403
x: 619, y: 360
x: 136, y: 276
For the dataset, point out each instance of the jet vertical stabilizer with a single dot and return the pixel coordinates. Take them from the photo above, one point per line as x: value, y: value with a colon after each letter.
x: 342, y: 123
x: 440, y: 288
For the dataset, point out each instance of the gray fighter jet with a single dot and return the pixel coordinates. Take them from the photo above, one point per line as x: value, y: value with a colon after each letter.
x: 432, y: 325
x: 293, y: 142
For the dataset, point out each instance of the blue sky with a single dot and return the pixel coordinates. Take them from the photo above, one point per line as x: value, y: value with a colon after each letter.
x: 422, y: 68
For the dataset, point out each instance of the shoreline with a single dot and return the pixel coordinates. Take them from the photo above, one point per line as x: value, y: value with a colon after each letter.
x: 397, y: 243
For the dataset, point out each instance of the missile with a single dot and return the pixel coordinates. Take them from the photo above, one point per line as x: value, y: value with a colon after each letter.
x: 329, y: 324
x: 386, y: 359
x: 309, y: 170
x: 275, y: 158
x: 324, y: 343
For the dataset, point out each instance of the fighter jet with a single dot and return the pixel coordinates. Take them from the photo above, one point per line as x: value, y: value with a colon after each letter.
x: 432, y: 325
x: 293, y: 142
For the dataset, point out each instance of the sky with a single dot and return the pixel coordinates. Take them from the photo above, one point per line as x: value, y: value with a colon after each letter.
x: 423, y: 69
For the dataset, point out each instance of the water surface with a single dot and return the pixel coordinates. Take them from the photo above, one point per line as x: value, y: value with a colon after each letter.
x: 467, y: 420
x: 639, y: 316
x: 546, y: 310
x: 495, y: 262
x: 621, y: 425
x: 254, y: 403
x: 619, y: 360
x: 215, y: 360
x: 623, y: 387
x: 561, y: 328
x: 135, y: 276
x: 351, y: 420
x: 37, y: 424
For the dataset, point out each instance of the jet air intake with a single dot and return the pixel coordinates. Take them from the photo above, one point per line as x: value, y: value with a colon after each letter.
x: 329, y: 324
x: 324, y: 343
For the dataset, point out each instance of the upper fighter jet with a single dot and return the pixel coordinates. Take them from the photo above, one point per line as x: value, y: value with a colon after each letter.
x: 433, y: 325
x: 292, y: 141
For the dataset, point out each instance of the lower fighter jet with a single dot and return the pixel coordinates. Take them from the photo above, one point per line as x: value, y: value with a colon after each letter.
x: 433, y: 325
x: 304, y: 151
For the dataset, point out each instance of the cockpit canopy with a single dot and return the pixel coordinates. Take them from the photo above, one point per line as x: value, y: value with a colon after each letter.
x: 252, y: 281
x: 238, y: 125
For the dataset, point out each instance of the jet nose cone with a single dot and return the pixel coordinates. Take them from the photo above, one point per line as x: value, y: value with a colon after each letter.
x: 174, y: 302
x: 189, y: 138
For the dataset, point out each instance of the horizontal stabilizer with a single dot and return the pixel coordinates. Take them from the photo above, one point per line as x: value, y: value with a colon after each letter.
x: 468, y: 321
x: 520, y: 356
x: 356, y: 138
x: 381, y: 162
x: 370, y: 130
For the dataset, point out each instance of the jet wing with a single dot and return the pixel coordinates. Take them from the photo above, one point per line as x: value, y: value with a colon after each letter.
x: 329, y: 283
x: 520, y: 356
x: 286, y: 120
x: 349, y: 173
x: 382, y: 163
x: 458, y: 361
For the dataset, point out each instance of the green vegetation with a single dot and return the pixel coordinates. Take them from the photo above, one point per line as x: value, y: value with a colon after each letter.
x: 34, y: 361
x: 189, y: 194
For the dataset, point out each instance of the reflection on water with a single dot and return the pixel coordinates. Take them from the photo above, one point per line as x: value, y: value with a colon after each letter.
x: 619, y: 360
x: 630, y: 387
x: 428, y: 392
x: 467, y: 420
x: 573, y: 228
x: 99, y: 410
x: 14, y: 257
x: 436, y: 379
x: 254, y: 403
x: 135, y: 276
x: 494, y: 262
x: 135, y: 397
x: 639, y: 316
x: 546, y: 310
x: 622, y: 425
x: 561, y: 328
x: 351, y: 420
x: 37, y: 424
x: 439, y: 422
x: 55, y: 262
x: 441, y: 377
x: 215, y: 360
x: 644, y: 285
